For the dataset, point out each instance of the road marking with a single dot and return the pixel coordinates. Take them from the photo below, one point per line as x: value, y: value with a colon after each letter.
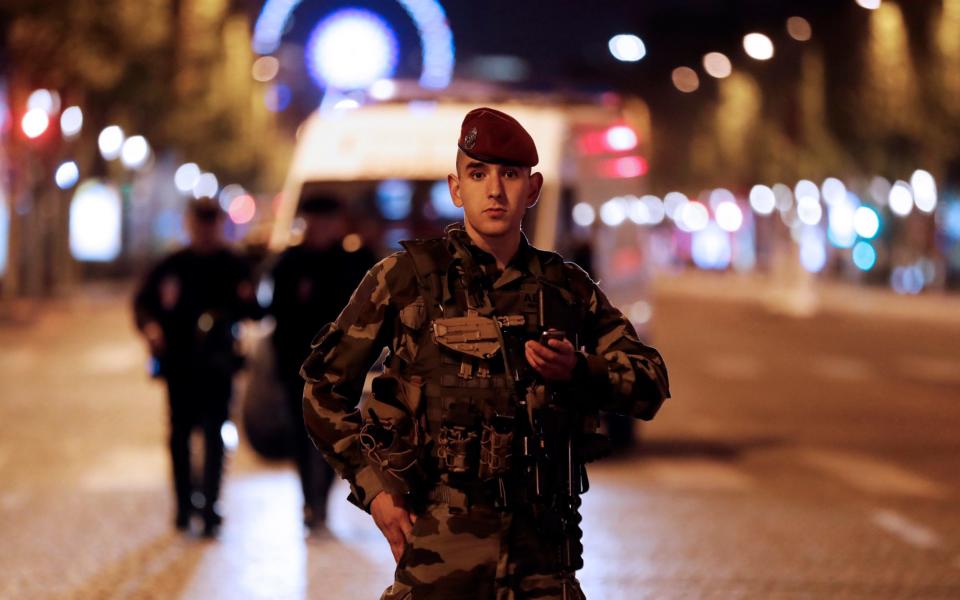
x: 733, y: 366
x: 931, y: 369
x: 871, y: 475
x: 905, y: 529
x: 841, y: 368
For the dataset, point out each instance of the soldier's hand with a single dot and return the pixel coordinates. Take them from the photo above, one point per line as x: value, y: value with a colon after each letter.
x: 394, y: 521
x: 553, y: 363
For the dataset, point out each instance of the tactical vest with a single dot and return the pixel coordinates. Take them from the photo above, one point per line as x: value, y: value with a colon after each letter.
x: 448, y: 406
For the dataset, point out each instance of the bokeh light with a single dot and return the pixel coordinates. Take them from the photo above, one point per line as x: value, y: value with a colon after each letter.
x: 833, y: 191
x: 901, y: 199
x: 71, y: 121
x: 729, y: 216
x: 866, y: 222
x: 813, y: 251
x: 655, y: 209
x: 613, y: 212
x: 685, y: 79
x: 809, y: 210
x: 762, y: 199
x: 395, y: 199
x: 110, y: 142
x: 806, y: 189
x: 186, y: 176
x: 758, y: 46
x: 67, y: 175
x: 869, y: 4
x: 672, y: 203
x: 692, y: 216
x: 924, y: 190
x: 638, y: 211
x: 799, y: 29
x: 242, y: 209
x: 34, y: 123
x: 864, y: 256
x: 95, y: 222
x: 46, y: 100
x: 710, y: 248
x: 206, y: 186
x: 383, y: 89
x: 135, y: 152
x: 626, y: 47
x: 265, y: 68
x: 442, y: 203
x: 351, y: 49
x: 717, y: 65
x: 621, y: 138
x: 584, y: 214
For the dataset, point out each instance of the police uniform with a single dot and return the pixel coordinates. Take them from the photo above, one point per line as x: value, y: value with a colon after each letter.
x: 451, y: 422
x: 197, y: 298
x: 310, y: 287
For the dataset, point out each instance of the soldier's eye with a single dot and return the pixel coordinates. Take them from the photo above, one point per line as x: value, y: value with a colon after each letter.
x: 510, y: 173
x: 477, y: 175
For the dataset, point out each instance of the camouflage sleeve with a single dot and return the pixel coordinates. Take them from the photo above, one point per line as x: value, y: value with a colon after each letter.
x: 623, y: 374
x: 334, y: 372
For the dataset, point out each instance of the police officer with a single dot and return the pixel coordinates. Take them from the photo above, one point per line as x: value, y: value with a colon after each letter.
x: 312, y: 282
x: 470, y: 451
x: 187, y: 309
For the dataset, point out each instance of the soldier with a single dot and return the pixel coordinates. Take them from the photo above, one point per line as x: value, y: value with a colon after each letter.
x: 187, y: 309
x: 470, y: 451
x: 311, y: 284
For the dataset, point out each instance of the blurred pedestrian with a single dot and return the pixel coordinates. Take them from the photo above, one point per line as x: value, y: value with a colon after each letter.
x: 470, y: 451
x: 188, y: 308
x: 312, y: 282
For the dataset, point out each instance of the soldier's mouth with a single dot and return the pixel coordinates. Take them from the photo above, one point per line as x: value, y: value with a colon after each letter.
x: 495, y: 211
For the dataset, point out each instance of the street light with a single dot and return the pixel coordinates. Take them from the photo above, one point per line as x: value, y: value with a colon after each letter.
x: 758, y: 46
x: 627, y: 47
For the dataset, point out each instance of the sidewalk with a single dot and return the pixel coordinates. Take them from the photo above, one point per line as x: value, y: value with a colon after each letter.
x: 808, y: 298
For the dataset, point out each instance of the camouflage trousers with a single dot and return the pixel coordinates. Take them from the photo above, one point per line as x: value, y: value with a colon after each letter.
x: 478, y: 554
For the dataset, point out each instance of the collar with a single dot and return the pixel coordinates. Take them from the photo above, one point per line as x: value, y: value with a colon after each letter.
x: 522, y: 263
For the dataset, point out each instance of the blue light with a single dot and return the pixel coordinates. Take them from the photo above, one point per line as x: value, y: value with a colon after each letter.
x: 95, y: 224
x: 4, y: 231
x: 813, y: 251
x: 864, y: 256
x: 951, y: 220
x: 710, y: 248
x: 395, y: 199
x: 351, y: 49
x: 277, y: 97
x: 436, y: 38
x: 441, y: 202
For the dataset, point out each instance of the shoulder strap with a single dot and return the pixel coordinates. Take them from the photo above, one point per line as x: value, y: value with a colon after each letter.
x: 431, y: 260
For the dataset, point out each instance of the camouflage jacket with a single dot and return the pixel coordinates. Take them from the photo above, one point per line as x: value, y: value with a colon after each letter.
x: 622, y: 374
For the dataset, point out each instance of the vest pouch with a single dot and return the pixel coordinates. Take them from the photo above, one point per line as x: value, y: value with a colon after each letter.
x: 496, y: 447
x: 456, y: 449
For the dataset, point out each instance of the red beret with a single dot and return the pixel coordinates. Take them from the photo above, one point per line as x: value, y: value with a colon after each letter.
x: 491, y: 136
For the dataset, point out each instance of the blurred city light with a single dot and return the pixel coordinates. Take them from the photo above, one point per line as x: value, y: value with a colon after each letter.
x: 710, y: 248
x: 907, y: 280
x: 672, y: 202
x: 758, y: 46
x: 34, y: 122
x: 206, y: 186
x: 640, y: 312
x: 833, y: 191
x: 655, y: 209
x: 692, y: 216
x: 627, y: 47
x: 808, y: 210
x: 442, y: 203
x: 717, y: 65
x: 583, y: 214
x: 613, y: 212
x: 383, y: 89
x: 265, y: 68
x: 841, y: 227
x: 813, y: 251
x: 729, y: 216
x: 242, y: 209
x: 395, y: 199
x: 866, y: 222
x: 346, y: 104
x: 621, y: 138
x: 901, y: 198
x: 351, y: 49
x: 864, y: 256
x: 870, y: 4
x: 950, y: 220
x: 719, y: 196
x: 229, y: 435
x: 623, y: 168
x: 95, y: 222
x: 879, y: 190
x: 806, y: 189
x: 762, y: 199
x: 638, y: 211
x: 685, y: 79
x: 110, y: 142
x: 71, y: 121
x: 351, y: 242
x: 784, y: 197
x: 135, y: 152
x: 67, y: 175
x: 186, y: 176
x: 228, y: 193
x: 799, y: 29
x: 45, y: 100
x: 924, y: 190
x: 277, y: 97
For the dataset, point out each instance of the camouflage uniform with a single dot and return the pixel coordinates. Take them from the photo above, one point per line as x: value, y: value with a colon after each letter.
x: 464, y: 545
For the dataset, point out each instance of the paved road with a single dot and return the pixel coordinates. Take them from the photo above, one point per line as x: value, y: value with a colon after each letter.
x: 799, y: 458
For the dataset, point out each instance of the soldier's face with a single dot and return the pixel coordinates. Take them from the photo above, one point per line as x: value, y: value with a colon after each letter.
x: 494, y: 197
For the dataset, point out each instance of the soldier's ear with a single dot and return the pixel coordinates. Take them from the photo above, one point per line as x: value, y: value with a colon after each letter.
x: 536, y: 184
x: 453, y: 182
